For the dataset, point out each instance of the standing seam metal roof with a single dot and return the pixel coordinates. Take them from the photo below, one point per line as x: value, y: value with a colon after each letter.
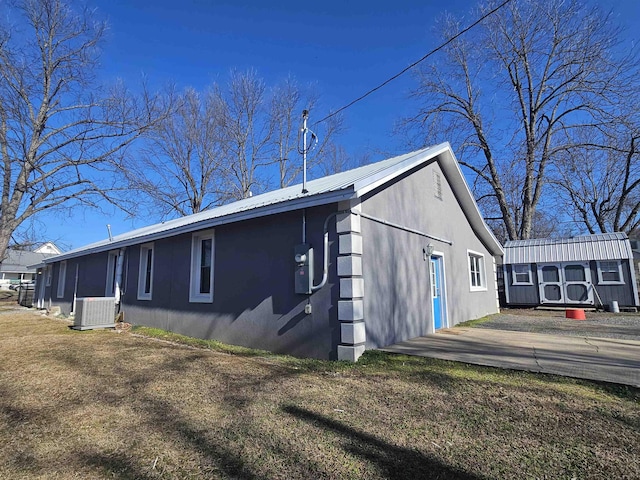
x: 601, y: 246
x: 330, y: 189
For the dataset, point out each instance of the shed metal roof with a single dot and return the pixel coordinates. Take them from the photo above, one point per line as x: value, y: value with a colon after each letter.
x: 601, y: 246
x: 330, y: 189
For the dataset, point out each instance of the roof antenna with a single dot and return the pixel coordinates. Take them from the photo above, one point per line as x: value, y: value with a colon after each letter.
x: 305, y: 116
x: 109, y: 230
x: 304, y: 149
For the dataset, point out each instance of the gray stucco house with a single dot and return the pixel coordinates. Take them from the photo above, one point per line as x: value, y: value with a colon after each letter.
x: 586, y: 270
x: 362, y: 259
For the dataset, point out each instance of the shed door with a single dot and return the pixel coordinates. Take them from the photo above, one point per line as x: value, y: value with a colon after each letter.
x: 550, y: 278
x: 577, y: 283
x: 565, y: 283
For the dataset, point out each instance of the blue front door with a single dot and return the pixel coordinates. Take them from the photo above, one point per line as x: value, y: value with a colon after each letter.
x: 436, y: 292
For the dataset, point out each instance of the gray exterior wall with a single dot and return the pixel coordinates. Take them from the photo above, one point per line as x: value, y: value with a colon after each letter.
x: 397, y: 302
x: 254, y: 302
x: 525, y: 295
x: 92, y: 280
x: 623, y: 294
x: 378, y: 289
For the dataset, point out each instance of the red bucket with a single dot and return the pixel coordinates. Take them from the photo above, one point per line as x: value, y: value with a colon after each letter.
x: 575, y: 314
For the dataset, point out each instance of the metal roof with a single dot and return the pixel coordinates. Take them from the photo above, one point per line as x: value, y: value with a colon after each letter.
x: 330, y: 189
x: 601, y: 246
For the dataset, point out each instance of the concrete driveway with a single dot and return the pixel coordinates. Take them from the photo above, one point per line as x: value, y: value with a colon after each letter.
x: 602, y: 359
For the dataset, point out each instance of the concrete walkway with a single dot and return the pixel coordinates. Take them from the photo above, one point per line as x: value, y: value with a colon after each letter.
x: 602, y: 359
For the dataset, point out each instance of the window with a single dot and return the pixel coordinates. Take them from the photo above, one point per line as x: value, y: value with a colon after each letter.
x: 521, y: 274
x: 201, y: 284
x: 476, y: 271
x: 48, y: 273
x: 145, y: 273
x: 610, y: 272
x: 112, y: 266
x: 62, y: 277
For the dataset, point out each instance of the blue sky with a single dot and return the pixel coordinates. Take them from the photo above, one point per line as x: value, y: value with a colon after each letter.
x: 345, y: 48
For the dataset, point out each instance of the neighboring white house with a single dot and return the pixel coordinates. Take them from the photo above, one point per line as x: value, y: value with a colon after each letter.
x: 18, y: 266
x: 48, y: 247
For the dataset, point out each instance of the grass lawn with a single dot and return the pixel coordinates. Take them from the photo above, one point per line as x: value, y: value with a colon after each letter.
x: 99, y: 404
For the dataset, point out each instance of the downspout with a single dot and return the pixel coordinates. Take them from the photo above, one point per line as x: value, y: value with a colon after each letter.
x: 117, y: 289
x: 75, y: 290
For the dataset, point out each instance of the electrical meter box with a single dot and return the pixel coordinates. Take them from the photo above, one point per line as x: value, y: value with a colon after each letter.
x: 303, y: 256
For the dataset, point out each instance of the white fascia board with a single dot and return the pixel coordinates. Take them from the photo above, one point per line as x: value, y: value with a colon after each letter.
x: 445, y: 156
x: 455, y: 177
x: 281, y: 207
x: 372, y: 182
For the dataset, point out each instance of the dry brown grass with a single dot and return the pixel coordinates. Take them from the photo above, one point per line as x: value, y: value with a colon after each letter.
x: 105, y: 405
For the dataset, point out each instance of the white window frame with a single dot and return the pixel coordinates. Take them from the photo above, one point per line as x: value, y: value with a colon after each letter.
x: 481, y: 275
x: 142, y: 271
x: 112, y: 264
x: 514, y: 277
x: 62, y: 278
x: 195, y: 296
x: 620, y: 280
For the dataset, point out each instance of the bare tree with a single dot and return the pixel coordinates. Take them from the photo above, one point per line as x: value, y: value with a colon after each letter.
x: 335, y: 159
x: 248, y: 132
x: 178, y: 168
x: 227, y: 144
x: 288, y: 101
x: 59, y: 132
x: 600, y: 184
x: 509, y: 94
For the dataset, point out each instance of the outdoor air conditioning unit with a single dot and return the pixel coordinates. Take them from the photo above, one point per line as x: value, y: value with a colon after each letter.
x: 95, y: 312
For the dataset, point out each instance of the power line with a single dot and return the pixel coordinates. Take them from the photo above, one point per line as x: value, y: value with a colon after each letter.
x: 405, y: 70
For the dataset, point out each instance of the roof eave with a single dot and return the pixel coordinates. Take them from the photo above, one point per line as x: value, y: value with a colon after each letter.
x: 442, y: 153
x: 281, y: 207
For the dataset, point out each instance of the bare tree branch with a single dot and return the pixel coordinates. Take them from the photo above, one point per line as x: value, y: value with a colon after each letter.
x: 511, y: 95
x: 60, y: 132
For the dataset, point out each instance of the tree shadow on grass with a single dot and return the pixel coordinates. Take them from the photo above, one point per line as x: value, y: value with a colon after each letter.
x: 116, y: 464
x: 393, y: 462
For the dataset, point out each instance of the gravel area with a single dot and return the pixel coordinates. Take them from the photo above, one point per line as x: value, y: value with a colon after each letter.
x: 624, y: 326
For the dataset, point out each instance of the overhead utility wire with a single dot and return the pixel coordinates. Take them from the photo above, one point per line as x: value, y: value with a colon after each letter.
x: 405, y: 70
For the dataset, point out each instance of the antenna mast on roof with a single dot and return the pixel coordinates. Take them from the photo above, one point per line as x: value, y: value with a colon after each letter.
x: 304, y: 148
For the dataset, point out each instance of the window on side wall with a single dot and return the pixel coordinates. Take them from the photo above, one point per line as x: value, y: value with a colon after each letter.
x: 477, y: 275
x: 145, y: 272
x: 521, y: 274
x: 62, y: 278
x: 112, y: 265
x: 610, y: 272
x: 201, y: 281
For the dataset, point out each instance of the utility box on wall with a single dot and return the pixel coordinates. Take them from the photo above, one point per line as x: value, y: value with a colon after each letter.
x: 304, y: 269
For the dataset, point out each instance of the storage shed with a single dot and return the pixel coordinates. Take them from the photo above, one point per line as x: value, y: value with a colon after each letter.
x: 586, y: 270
